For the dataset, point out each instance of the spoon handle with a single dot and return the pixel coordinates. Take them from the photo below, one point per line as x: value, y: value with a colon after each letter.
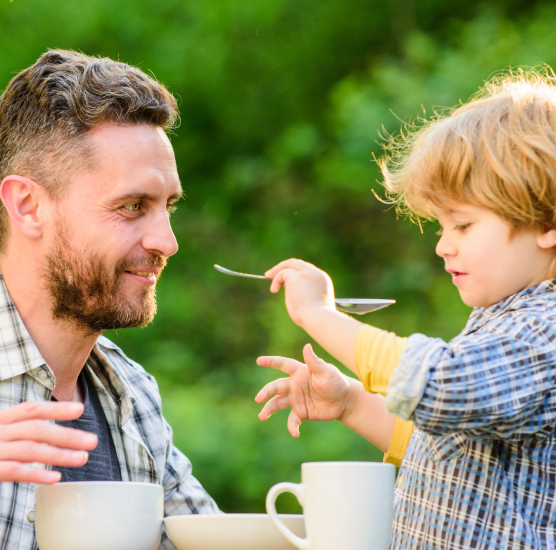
x: 237, y: 274
x: 348, y: 305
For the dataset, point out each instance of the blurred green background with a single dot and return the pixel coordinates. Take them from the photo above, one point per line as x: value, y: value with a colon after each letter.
x: 282, y: 103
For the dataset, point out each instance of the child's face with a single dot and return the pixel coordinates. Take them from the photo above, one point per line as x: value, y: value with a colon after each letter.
x: 486, y: 260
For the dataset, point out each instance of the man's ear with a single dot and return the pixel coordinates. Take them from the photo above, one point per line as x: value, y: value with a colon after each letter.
x: 21, y: 197
x: 547, y: 239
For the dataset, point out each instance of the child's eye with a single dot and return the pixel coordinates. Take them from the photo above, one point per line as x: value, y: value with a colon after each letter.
x: 461, y: 226
x: 171, y: 208
x: 439, y: 232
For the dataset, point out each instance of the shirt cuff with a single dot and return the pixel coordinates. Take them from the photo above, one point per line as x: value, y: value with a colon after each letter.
x: 409, y: 380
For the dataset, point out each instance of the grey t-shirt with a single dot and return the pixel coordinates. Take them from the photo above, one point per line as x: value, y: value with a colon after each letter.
x: 103, y: 461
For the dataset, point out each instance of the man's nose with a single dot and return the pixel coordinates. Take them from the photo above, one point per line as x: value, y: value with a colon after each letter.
x: 160, y: 239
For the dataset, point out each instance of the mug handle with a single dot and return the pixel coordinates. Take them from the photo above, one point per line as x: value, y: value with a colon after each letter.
x: 278, y: 489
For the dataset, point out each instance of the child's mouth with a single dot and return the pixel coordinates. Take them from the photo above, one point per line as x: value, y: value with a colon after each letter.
x: 457, y: 276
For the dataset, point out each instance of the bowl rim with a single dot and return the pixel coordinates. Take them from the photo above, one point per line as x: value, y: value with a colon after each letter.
x: 208, y: 517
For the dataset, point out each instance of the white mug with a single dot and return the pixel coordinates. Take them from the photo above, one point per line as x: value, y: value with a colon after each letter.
x: 346, y: 505
x: 99, y: 515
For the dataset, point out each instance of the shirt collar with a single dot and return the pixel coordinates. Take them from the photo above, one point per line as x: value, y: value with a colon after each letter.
x: 18, y: 352
x: 522, y: 299
x: 112, y: 381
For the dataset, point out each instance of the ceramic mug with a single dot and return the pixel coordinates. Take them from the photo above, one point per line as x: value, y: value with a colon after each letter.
x: 99, y: 515
x: 346, y: 505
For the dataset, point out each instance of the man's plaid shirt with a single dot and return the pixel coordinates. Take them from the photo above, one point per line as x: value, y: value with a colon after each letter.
x: 480, y: 469
x: 131, y: 402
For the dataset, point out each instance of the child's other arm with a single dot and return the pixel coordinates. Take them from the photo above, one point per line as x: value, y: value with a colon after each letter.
x: 319, y: 391
x: 310, y: 303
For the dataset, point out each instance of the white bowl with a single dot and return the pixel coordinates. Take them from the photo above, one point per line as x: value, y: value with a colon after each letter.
x: 231, y: 531
x: 90, y: 515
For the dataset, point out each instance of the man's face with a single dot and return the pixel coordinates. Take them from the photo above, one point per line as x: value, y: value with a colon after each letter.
x: 111, y: 232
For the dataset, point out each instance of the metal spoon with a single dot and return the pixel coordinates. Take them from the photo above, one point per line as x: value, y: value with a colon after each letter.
x: 359, y: 306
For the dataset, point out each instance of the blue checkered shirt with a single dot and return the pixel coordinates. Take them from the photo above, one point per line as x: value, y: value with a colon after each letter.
x: 480, y: 469
x: 132, y: 405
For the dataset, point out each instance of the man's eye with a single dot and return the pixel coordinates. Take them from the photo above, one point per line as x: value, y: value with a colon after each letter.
x: 135, y: 207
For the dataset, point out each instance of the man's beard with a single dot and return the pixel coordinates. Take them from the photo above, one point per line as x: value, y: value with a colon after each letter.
x: 86, y: 293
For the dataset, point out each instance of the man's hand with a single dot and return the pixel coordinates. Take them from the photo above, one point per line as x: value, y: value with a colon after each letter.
x: 314, y: 391
x: 26, y: 436
x: 307, y: 288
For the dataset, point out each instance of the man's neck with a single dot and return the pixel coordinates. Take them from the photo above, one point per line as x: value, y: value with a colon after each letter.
x: 62, y: 346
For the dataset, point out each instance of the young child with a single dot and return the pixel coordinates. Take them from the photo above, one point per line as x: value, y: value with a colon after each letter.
x: 479, y: 469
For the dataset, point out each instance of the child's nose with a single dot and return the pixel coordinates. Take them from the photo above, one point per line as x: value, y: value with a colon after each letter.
x: 444, y: 247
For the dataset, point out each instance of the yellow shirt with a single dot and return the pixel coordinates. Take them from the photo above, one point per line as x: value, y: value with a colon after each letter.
x: 377, y: 353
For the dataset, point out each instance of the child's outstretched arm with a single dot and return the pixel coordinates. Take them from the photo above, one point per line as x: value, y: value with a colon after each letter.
x: 310, y: 303
x: 319, y: 391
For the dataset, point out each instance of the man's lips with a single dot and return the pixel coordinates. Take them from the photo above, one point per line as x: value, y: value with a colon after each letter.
x: 149, y: 273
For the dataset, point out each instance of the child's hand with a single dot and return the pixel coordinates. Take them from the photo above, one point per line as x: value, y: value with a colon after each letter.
x: 315, y: 391
x: 307, y: 287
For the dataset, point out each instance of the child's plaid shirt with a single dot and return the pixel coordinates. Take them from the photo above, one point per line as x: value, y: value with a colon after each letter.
x: 480, y: 470
x: 131, y: 402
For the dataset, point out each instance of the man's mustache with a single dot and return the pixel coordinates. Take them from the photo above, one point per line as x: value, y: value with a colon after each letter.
x: 134, y: 264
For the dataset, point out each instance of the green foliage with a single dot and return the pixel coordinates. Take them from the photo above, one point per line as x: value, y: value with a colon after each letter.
x: 282, y: 103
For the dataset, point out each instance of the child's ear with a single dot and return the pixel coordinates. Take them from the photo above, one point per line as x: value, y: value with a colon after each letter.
x: 547, y: 239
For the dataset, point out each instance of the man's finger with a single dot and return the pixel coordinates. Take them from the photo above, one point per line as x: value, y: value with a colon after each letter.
x: 31, y: 451
x: 275, y: 404
x: 43, y: 431
x: 276, y: 387
x: 16, y: 471
x: 46, y: 410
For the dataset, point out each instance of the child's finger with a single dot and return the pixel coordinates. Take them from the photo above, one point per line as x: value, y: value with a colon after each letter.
x: 288, y: 366
x: 292, y: 263
x: 315, y: 364
x: 294, y: 421
x: 280, y: 279
x: 275, y: 404
x: 276, y: 387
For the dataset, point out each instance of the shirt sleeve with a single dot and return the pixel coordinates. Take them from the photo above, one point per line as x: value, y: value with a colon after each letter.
x: 403, y: 430
x: 486, y: 385
x: 377, y: 354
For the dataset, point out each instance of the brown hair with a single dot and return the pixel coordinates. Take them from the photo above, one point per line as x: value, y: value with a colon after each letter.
x: 48, y: 108
x: 498, y: 151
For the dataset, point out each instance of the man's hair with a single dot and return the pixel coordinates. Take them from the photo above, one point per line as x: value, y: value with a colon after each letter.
x: 47, y: 110
x: 498, y: 152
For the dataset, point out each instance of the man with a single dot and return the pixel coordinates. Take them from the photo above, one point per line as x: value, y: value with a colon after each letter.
x: 88, y: 182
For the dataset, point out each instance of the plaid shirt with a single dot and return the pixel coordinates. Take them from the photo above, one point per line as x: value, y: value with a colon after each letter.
x: 132, y: 405
x: 480, y: 469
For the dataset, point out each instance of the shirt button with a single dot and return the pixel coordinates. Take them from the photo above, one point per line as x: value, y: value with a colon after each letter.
x: 43, y: 374
x: 31, y: 516
x: 400, y: 481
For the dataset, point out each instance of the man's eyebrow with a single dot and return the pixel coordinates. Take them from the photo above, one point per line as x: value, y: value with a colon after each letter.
x: 148, y: 197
